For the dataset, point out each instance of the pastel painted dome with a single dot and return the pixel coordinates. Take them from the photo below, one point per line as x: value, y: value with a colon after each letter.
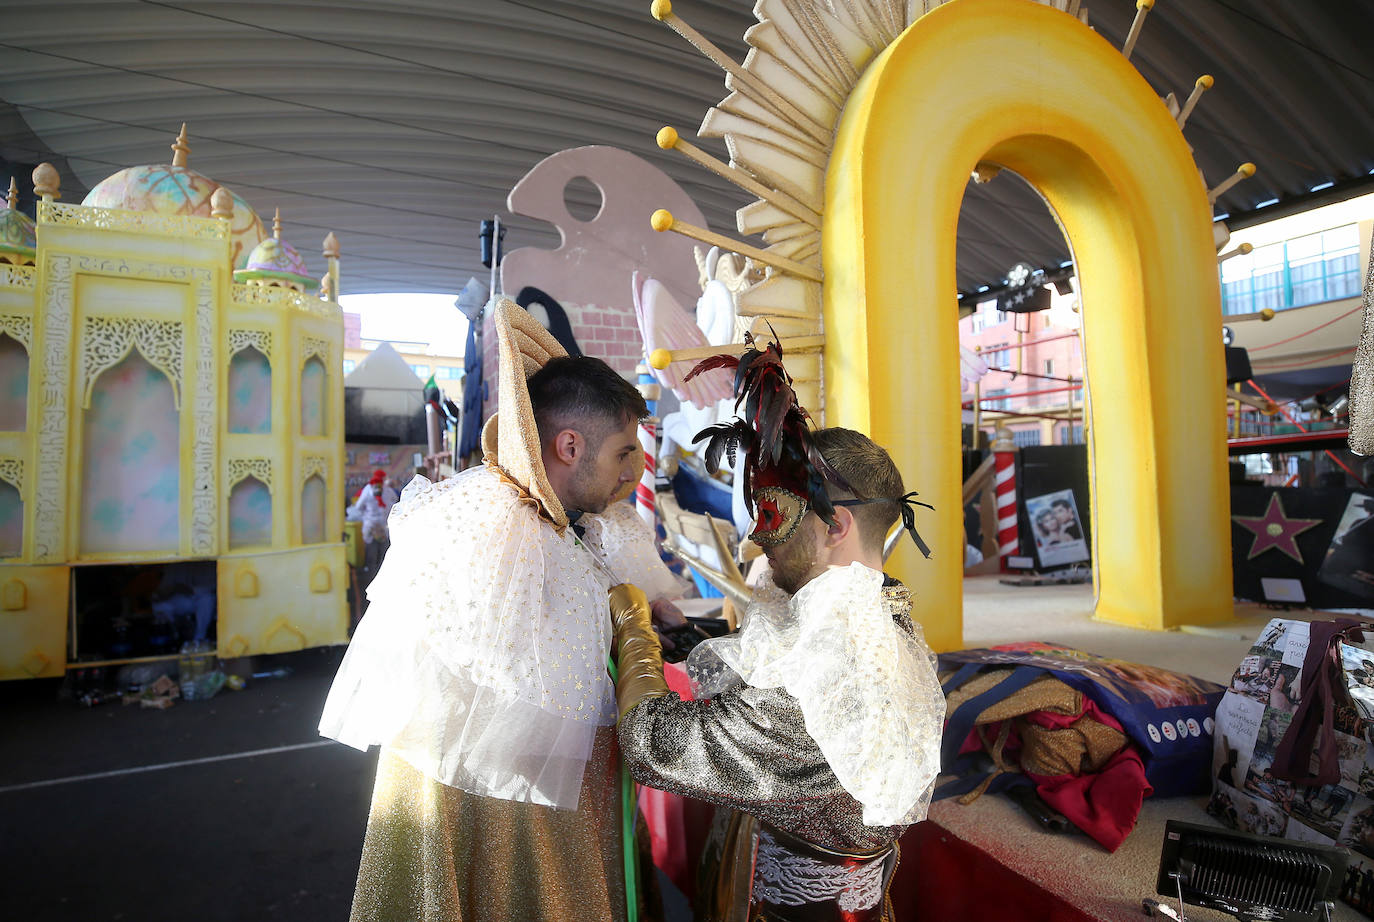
x: 18, y: 238
x: 177, y: 189
x: 276, y: 262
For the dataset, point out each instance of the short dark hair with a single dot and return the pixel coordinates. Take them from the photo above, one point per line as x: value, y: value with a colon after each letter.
x: 871, y: 474
x: 1062, y: 502
x: 583, y: 393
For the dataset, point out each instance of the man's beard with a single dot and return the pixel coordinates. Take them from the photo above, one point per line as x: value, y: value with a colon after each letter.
x: 584, y: 490
x: 792, y: 567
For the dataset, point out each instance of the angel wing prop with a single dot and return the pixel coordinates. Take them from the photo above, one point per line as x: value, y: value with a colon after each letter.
x: 665, y: 324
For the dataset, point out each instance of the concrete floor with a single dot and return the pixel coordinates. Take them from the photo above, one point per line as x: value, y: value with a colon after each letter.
x: 126, y: 813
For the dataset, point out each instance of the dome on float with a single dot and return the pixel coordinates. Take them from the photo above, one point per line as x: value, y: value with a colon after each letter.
x: 276, y: 262
x: 177, y: 189
x: 18, y: 236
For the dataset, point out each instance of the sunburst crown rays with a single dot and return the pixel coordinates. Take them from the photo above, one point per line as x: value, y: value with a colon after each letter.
x: 778, y: 123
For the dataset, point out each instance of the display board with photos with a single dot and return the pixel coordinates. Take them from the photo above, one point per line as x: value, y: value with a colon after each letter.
x: 1251, y: 721
x: 1053, y: 513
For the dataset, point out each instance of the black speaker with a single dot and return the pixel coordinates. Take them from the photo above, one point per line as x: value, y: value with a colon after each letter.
x: 489, y: 245
x: 1237, y: 365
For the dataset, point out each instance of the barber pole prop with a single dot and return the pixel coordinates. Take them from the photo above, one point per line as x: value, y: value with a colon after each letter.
x: 648, y: 440
x: 1004, y: 478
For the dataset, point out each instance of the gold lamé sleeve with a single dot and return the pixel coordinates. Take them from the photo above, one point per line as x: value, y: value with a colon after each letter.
x: 639, y: 660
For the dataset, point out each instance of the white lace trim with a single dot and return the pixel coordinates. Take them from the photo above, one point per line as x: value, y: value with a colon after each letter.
x: 626, y: 543
x: 785, y: 878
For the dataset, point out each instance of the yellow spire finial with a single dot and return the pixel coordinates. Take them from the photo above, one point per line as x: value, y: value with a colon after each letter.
x: 13, y: 199
x: 181, y: 151
x: 331, y: 246
x: 276, y: 224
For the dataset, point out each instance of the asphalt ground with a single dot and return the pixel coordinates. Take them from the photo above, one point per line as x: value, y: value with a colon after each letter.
x: 88, y: 832
x: 228, y: 809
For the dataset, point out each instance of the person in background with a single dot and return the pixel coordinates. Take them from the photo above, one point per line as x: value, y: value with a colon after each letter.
x: 373, y: 505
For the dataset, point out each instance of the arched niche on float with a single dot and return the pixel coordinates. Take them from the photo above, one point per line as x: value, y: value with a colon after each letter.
x: 11, y: 520
x: 130, y: 474
x: 250, y: 514
x: 14, y: 384
x: 313, y: 512
x: 314, y: 397
x: 1035, y: 91
x: 250, y: 392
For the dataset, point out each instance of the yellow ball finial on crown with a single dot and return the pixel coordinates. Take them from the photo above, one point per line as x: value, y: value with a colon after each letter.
x: 667, y: 137
x: 660, y: 358
x: 661, y: 220
x: 1145, y: 4
x: 1246, y: 169
x: 661, y: 9
x: 1205, y: 81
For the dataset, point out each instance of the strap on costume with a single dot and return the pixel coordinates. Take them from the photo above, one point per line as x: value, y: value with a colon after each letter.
x: 906, y: 503
x: 628, y: 808
x: 960, y: 723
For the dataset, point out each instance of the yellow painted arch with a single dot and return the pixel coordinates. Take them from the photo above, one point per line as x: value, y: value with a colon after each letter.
x: 1036, y: 91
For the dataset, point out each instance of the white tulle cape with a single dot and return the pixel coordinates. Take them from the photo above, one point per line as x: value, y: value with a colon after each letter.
x: 482, y: 657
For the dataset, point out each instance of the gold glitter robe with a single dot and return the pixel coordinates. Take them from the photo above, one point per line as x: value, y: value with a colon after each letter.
x: 433, y: 852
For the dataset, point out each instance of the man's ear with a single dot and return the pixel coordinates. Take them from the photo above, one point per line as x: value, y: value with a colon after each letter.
x: 569, y: 446
x: 843, y: 527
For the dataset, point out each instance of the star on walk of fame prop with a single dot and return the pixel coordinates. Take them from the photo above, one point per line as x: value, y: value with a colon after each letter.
x: 1275, y: 529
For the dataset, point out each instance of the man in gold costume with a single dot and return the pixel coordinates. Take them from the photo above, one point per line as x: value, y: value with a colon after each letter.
x: 820, y: 721
x: 481, y: 665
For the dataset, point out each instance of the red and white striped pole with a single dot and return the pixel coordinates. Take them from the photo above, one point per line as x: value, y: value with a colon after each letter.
x: 648, y: 440
x: 1004, y: 480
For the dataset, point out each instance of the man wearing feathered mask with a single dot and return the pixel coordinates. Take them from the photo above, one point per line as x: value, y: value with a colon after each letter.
x: 820, y: 721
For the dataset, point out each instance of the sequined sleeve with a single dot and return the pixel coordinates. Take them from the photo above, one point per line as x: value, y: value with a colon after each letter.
x: 746, y: 748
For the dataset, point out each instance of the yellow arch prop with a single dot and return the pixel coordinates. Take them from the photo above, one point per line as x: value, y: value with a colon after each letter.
x: 1034, y: 90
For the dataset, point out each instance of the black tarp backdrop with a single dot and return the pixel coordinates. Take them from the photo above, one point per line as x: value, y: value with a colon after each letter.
x: 1045, y: 469
x: 1331, y: 588
x: 1339, y: 576
x: 361, y: 425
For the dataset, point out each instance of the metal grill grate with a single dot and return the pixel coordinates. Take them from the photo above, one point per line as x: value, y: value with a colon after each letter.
x: 1252, y: 877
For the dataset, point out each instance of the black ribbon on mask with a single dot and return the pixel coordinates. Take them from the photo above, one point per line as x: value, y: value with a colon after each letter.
x: 907, y: 505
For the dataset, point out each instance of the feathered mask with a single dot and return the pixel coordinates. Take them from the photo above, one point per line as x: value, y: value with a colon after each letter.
x: 784, y: 473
